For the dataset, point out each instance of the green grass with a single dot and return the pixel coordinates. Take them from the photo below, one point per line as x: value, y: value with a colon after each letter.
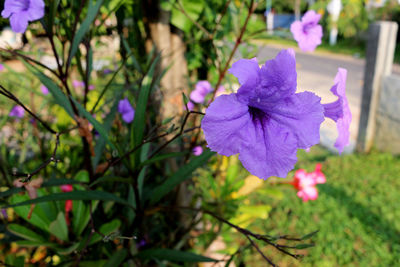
x: 357, y: 212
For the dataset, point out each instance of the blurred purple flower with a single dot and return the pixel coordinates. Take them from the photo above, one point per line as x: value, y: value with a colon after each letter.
x: 126, y: 110
x: 265, y: 121
x: 91, y: 87
x: 1, y: 67
x: 197, y: 150
x: 202, y: 88
x: 44, y: 89
x: 4, y: 213
x: 21, y: 12
x: 190, y: 106
x: 107, y: 71
x: 17, y: 111
x: 307, y: 32
x: 339, y: 110
x: 77, y: 84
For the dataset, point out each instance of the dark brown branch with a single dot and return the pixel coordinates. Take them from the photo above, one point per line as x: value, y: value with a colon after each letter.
x: 259, y: 251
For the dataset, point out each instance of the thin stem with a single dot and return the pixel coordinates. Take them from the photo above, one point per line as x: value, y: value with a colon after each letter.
x: 222, y: 72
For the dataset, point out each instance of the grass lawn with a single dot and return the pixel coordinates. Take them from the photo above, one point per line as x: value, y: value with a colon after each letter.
x: 357, y: 212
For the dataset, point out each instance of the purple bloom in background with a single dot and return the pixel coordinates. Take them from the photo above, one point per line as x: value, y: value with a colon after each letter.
x: 21, y: 12
x: 190, y: 106
x: 307, y: 32
x: 201, y: 90
x: 1, y: 67
x: 44, y: 89
x: 197, y: 150
x: 107, y: 71
x: 4, y: 213
x: 17, y: 111
x: 77, y: 83
x: 126, y: 110
x: 91, y: 87
x: 265, y: 121
x: 339, y: 110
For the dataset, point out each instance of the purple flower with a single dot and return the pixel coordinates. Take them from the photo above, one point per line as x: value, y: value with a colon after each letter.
x: 1, y: 67
x: 197, y: 150
x: 17, y: 111
x: 265, y: 121
x: 4, y: 213
x: 307, y: 32
x: 126, y: 110
x: 107, y: 71
x: 91, y: 87
x: 78, y: 84
x: 44, y: 89
x: 21, y: 12
x: 201, y: 90
x: 190, y: 106
x: 339, y: 110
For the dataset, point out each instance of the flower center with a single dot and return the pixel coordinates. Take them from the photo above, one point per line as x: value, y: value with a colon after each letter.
x: 307, y: 27
x: 257, y: 115
x: 25, y: 4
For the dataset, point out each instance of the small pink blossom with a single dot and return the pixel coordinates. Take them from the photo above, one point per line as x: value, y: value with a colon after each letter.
x: 44, y: 89
x: 1, y: 67
x: 306, y: 183
x: 68, y: 203
x: 17, y: 111
x: 197, y: 150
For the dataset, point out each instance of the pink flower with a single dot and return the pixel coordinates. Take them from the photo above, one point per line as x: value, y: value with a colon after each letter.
x: 44, y: 89
x: 306, y: 183
x: 1, y: 67
x: 197, y: 150
x: 17, y: 111
x: 68, y: 203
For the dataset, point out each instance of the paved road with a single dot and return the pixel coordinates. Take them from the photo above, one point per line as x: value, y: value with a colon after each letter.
x: 316, y: 73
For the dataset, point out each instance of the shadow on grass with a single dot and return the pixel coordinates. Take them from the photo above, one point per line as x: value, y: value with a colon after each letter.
x: 370, y: 221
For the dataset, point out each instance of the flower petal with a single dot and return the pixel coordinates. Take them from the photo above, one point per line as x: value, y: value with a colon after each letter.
x: 310, y: 17
x: 245, y: 70
x: 225, y: 118
x: 269, y: 150
x: 19, y: 22
x: 36, y: 10
x: 13, y: 6
x: 301, y: 113
x: 278, y: 77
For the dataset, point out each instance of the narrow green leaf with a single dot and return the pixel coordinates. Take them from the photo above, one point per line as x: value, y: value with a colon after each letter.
x: 59, y: 227
x: 132, y: 56
x: 73, y: 195
x: 84, y: 28
x: 24, y: 232
x: 172, y: 255
x: 117, y: 258
x: 181, y: 175
x: 304, y: 246
x: 59, y: 97
x: 105, y: 229
x: 163, y: 157
x: 111, y: 179
x: 81, y: 215
x: 308, y: 236
x: 95, y: 123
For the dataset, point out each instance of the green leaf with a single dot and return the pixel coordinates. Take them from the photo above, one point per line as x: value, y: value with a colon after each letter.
x: 95, y: 123
x: 173, y: 255
x: 163, y: 157
x: 193, y: 9
x: 24, y: 232
x: 117, y: 258
x: 111, y: 179
x: 73, y: 195
x: 105, y: 229
x: 181, y: 175
x: 84, y: 28
x: 59, y: 227
x: 59, y: 97
x: 139, y: 122
x: 308, y: 236
x: 81, y: 215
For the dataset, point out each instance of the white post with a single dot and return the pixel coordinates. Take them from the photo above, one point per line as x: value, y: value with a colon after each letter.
x: 334, y: 7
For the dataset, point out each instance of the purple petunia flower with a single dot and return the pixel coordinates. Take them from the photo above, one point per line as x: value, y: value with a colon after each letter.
x: 21, y: 12
x: 126, y: 110
x: 339, y: 110
x: 307, y: 32
x: 190, y: 106
x: 17, y: 111
x: 265, y: 121
x: 44, y: 89
x: 201, y: 90
x: 1, y: 67
x: 197, y: 150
